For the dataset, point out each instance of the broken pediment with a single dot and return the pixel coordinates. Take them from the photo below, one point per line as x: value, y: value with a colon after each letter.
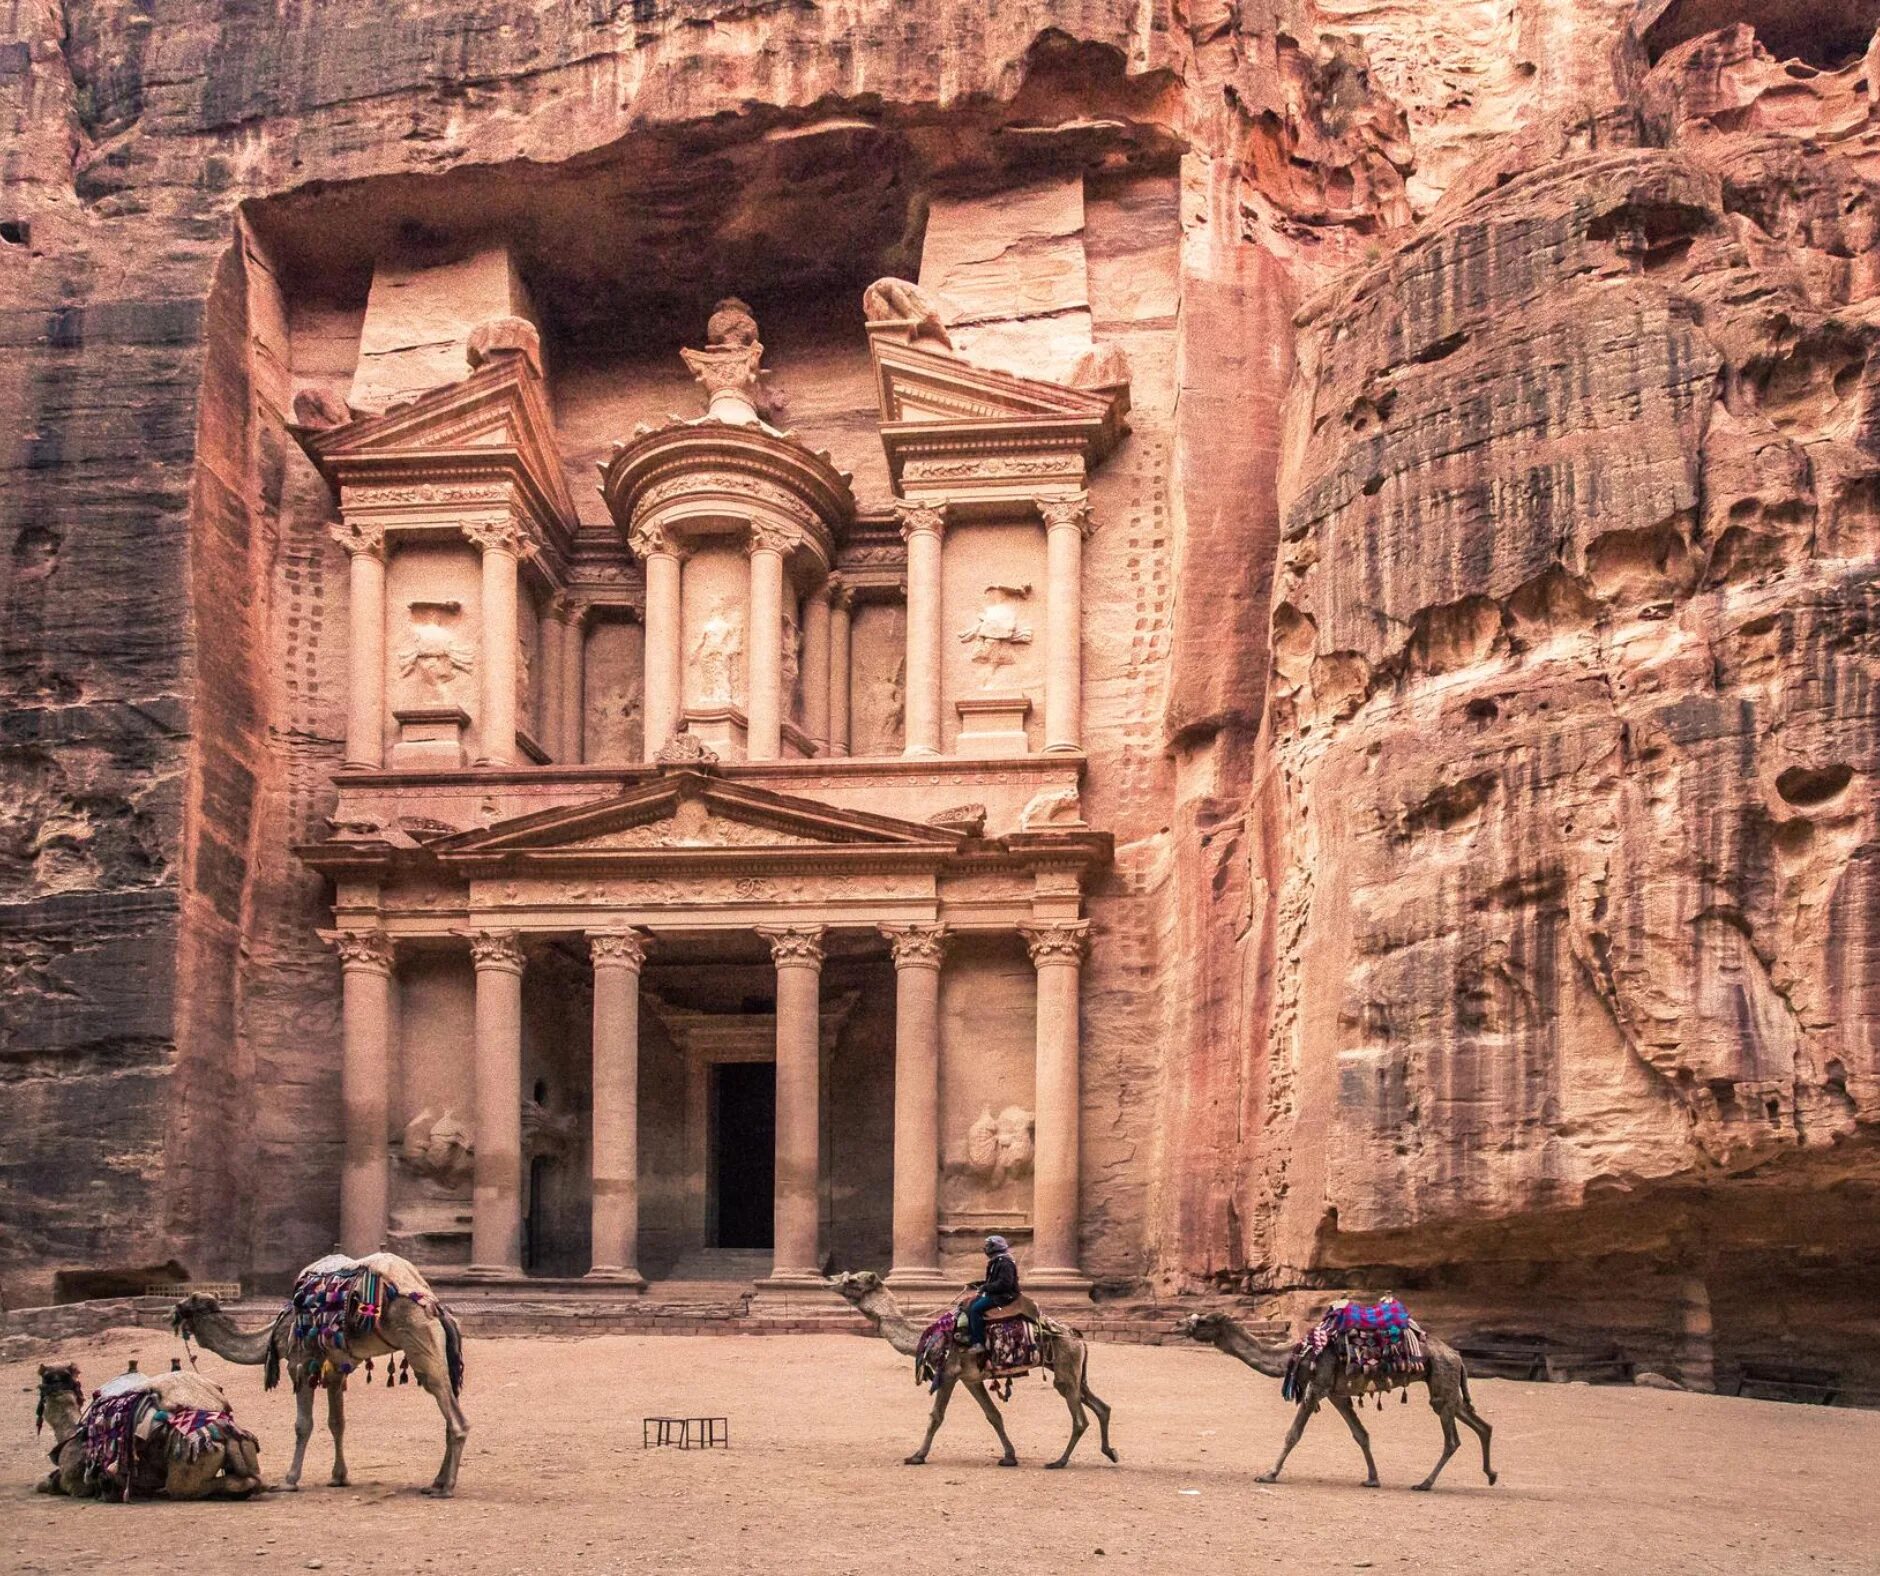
x: 689, y: 811
x: 950, y: 426
x: 492, y: 427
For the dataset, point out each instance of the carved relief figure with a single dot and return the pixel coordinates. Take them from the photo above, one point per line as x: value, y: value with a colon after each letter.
x: 997, y: 631
x: 613, y: 728
x: 792, y: 664
x: 893, y: 300
x: 432, y: 656
x: 731, y: 325
x: 999, y: 1148
x: 718, y: 656
x: 893, y: 728
x: 525, y: 708
x: 437, y: 1146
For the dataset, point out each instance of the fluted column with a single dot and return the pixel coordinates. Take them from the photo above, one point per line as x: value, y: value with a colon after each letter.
x: 572, y: 628
x: 1066, y: 522
x: 1057, y: 953
x: 501, y: 543
x: 840, y: 602
x: 816, y: 668
x: 798, y: 954
x: 764, y: 700
x: 922, y: 526
x: 618, y: 957
x: 365, y: 616
x: 660, y: 687
x: 918, y: 953
x: 496, y: 1200
x: 365, y: 960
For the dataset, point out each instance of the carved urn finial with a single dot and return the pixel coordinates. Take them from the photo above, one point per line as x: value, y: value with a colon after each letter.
x: 685, y: 751
x: 731, y: 363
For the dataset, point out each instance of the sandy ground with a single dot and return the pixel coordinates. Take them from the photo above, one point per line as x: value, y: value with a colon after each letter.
x: 554, y: 1478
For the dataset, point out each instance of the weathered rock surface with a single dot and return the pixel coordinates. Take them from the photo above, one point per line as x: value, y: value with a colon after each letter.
x: 1515, y: 908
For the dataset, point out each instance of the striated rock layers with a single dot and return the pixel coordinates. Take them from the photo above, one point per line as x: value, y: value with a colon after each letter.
x: 1487, y: 691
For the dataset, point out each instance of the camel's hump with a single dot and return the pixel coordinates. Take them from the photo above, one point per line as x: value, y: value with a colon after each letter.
x: 402, y: 1273
x: 184, y: 1387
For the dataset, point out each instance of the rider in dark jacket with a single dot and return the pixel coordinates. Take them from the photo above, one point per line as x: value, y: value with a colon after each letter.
x: 998, y: 1290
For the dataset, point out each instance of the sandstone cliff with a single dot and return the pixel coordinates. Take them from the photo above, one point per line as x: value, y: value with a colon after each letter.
x: 1505, y: 870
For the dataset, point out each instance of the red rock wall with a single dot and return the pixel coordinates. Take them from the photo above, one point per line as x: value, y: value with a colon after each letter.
x: 1503, y: 820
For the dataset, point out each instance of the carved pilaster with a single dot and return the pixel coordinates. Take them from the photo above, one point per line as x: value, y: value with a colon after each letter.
x: 916, y: 946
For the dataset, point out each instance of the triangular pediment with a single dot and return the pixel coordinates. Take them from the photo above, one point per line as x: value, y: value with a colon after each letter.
x: 500, y: 411
x: 690, y: 812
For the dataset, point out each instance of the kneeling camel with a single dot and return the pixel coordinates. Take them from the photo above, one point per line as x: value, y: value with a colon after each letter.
x: 227, y: 1467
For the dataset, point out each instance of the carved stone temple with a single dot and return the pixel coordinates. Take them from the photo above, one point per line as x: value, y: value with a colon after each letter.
x: 816, y: 867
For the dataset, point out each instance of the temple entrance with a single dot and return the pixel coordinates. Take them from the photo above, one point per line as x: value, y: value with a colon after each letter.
x: 743, y: 1153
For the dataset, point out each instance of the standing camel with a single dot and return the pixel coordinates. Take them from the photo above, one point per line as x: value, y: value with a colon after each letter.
x: 221, y: 1461
x: 1062, y: 1348
x: 1330, y: 1380
x: 413, y: 1322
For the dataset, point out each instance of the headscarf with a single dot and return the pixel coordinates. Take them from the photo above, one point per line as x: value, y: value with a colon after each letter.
x: 995, y: 1246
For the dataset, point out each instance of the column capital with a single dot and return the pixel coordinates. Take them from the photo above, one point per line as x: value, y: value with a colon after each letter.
x: 1072, y: 511
x: 916, y: 946
x: 840, y: 594
x: 504, y: 535
x: 495, y: 949
x: 767, y: 537
x: 617, y: 949
x: 359, y: 538
x: 918, y: 517
x: 368, y: 950
x: 1063, y: 941
x: 794, y: 946
x: 654, y: 541
x: 564, y: 607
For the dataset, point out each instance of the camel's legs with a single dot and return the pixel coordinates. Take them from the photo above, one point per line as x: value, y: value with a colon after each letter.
x: 1451, y: 1439
x: 435, y: 1377
x: 1483, y: 1432
x: 336, y: 1426
x: 1350, y: 1414
x: 1102, y: 1409
x: 1300, y: 1418
x: 935, y: 1418
x: 1068, y: 1387
x: 303, y: 1431
x: 978, y: 1389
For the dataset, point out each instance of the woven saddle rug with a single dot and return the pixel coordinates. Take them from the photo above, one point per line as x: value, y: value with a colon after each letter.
x: 1380, y: 1345
x: 336, y: 1302
x: 1012, y: 1347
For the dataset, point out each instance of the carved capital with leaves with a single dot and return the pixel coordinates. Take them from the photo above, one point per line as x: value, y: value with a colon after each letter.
x: 369, y: 950
x: 617, y: 949
x: 918, y: 517
x: 357, y: 536
x: 1065, y: 941
x: 767, y: 537
x: 794, y: 946
x: 502, y: 534
x: 1072, y: 511
x: 916, y: 946
x: 496, y: 949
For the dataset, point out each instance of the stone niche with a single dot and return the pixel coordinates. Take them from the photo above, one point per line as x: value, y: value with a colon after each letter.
x: 433, y: 637
x: 992, y: 642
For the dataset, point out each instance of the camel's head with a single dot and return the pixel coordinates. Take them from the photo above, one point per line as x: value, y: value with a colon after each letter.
x: 1204, y: 1326
x: 855, y: 1285
x: 197, y: 1305
x: 57, y: 1383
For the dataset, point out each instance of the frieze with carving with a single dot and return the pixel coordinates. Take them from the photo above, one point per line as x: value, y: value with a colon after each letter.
x: 1069, y: 465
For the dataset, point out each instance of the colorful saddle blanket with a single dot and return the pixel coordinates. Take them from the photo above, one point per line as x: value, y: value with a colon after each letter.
x: 1380, y: 1344
x: 1012, y: 1346
x: 125, y: 1433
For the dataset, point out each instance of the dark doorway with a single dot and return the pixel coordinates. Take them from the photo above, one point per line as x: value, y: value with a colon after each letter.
x: 744, y: 1146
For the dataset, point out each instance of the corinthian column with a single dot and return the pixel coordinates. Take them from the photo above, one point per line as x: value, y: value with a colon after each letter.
x: 764, y: 703
x: 1057, y: 953
x: 618, y: 958
x: 816, y: 668
x: 365, y: 960
x: 1066, y: 521
x: 496, y: 1207
x: 840, y: 601
x: 660, y: 686
x: 365, y: 615
x: 501, y: 543
x: 798, y: 954
x: 918, y: 951
x: 921, y: 528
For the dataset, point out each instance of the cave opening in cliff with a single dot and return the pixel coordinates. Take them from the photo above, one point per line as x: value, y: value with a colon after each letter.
x: 1825, y: 34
